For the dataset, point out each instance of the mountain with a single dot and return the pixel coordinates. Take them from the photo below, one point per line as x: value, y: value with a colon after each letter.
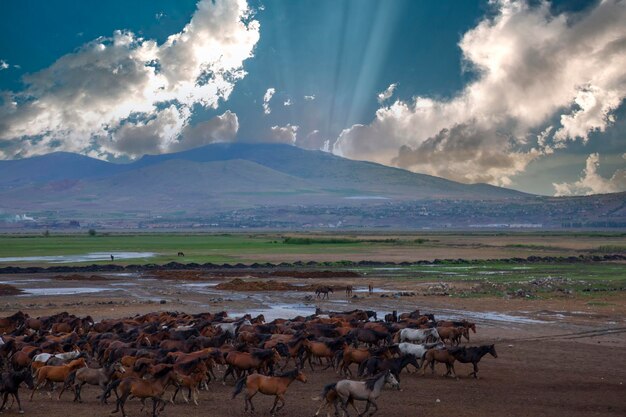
x: 270, y: 185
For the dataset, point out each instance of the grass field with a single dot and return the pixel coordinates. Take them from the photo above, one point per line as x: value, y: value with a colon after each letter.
x: 268, y: 247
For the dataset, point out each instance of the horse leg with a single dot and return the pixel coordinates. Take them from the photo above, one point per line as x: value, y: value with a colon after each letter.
x: 16, y: 395
x: 195, y: 396
x: 475, y: 370
x: 282, y: 402
x: 4, y: 400
x: 367, y: 407
x: 375, y: 407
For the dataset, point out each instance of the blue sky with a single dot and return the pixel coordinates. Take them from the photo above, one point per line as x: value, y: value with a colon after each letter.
x: 327, y: 62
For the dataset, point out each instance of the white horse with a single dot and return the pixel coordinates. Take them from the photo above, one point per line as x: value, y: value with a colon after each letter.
x: 231, y: 328
x: 419, y: 335
x: 368, y: 390
x: 418, y: 350
x: 67, y: 356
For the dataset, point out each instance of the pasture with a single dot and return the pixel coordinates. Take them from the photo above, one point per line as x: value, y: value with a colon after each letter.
x: 322, y: 247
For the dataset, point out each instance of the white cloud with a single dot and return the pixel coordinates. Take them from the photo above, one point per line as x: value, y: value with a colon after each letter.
x: 387, y: 94
x: 266, y: 100
x: 287, y: 102
x: 283, y: 134
x: 532, y: 68
x: 313, y: 140
x: 159, y: 15
x: 310, y: 98
x: 3, y: 65
x: 591, y: 182
x: 114, y: 89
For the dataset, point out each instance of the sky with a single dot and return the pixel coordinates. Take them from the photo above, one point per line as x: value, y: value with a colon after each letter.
x: 523, y: 94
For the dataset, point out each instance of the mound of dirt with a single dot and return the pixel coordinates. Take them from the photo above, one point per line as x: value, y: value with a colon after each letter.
x: 7, y: 289
x: 77, y: 277
x: 238, y: 284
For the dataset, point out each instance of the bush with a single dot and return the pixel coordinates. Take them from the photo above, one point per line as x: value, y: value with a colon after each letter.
x: 92, y: 232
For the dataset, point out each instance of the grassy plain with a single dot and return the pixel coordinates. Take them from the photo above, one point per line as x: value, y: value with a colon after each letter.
x: 332, y: 247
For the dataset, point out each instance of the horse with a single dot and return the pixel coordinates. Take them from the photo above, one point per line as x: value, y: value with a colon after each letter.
x: 142, y: 388
x: 439, y: 355
x: 368, y: 390
x: 348, y: 290
x: 391, y: 317
x: 268, y: 385
x: 47, y: 374
x: 91, y: 376
x: 453, y: 334
x: 370, y: 289
x: 324, y: 290
x: 418, y: 335
x: 418, y: 350
x: 463, y: 323
x: 245, y: 361
x: 180, y: 254
x: 473, y: 355
x: 329, y: 395
x: 10, y: 383
x: 327, y: 349
x: 369, y: 336
x: 395, y: 365
x: 352, y: 355
x: 112, y: 257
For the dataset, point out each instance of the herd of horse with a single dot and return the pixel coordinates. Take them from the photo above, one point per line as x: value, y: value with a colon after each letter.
x: 147, y: 356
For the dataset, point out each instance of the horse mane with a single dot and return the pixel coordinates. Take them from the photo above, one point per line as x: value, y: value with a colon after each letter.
x: 371, y: 382
x: 334, y: 344
x: 162, y: 372
x: 263, y: 354
x: 289, y: 374
x: 189, y: 365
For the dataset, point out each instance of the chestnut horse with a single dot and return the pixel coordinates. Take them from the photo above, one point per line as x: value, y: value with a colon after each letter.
x: 268, y: 385
x: 48, y: 374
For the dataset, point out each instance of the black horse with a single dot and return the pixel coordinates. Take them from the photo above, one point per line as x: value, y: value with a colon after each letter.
x: 10, y: 383
x: 324, y: 290
x: 472, y: 355
x: 376, y: 364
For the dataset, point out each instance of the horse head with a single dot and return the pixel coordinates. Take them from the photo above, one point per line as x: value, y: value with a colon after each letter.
x: 301, y: 376
x: 492, y: 350
x: 391, y: 380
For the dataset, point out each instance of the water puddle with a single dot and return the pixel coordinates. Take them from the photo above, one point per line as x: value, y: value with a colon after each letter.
x: 88, y: 257
x: 64, y: 291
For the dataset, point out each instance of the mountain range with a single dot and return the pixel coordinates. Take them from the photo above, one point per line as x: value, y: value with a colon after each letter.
x: 219, y: 178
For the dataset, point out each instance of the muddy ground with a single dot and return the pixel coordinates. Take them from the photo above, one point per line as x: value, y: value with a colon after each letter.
x: 556, y: 357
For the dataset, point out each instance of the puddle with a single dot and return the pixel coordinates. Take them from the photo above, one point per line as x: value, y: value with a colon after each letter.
x: 201, y: 284
x: 21, y: 281
x: 64, y: 291
x: 376, y: 290
x: 488, y: 316
x: 89, y: 257
x: 281, y: 311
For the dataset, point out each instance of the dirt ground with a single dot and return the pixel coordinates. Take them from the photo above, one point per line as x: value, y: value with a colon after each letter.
x: 559, y: 357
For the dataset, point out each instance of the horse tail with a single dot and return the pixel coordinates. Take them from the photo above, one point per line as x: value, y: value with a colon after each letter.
x: 112, y: 386
x: 239, y: 386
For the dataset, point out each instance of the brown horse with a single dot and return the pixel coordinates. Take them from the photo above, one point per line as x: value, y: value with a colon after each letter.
x: 255, y: 361
x: 322, y: 350
x: 348, y: 290
x: 453, y: 334
x: 439, y: 355
x: 359, y: 355
x: 142, y: 388
x: 50, y: 374
x: 268, y: 385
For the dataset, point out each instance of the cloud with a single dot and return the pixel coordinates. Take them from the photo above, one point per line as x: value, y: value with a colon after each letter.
x: 159, y: 15
x: 111, y: 91
x: 309, y: 98
x: 313, y: 140
x: 4, y: 65
x: 283, y: 134
x: 570, y: 70
x: 386, y: 95
x: 591, y: 182
x: 287, y: 102
x: 266, y: 100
